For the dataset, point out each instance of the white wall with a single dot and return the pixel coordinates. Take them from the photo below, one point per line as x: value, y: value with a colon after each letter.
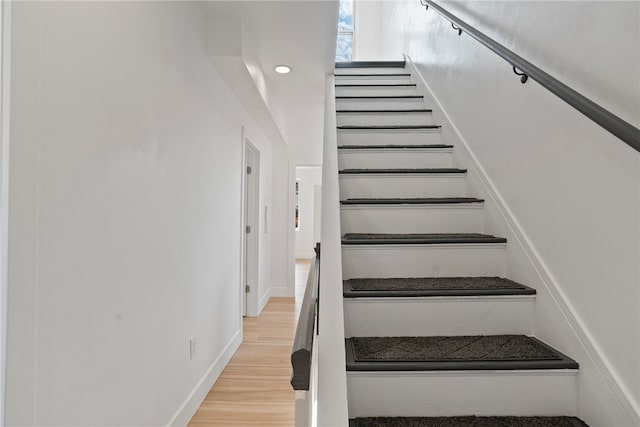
x: 280, y: 217
x: 309, y: 177
x: 570, y: 190
x: 370, y: 41
x: 124, y: 230
x: 5, y: 77
x: 367, y: 35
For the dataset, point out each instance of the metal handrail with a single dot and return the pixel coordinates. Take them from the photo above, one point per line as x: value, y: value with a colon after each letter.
x: 623, y: 130
x: 303, y: 341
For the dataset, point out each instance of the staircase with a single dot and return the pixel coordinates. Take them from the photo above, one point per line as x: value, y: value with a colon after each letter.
x: 436, y: 335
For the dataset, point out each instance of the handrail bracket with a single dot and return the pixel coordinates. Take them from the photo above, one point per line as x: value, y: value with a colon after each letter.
x: 523, y: 76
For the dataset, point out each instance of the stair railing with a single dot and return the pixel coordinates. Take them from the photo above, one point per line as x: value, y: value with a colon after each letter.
x: 609, y: 121
x: 302, y: 356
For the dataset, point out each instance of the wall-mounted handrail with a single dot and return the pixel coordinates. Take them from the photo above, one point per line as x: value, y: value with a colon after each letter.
x: 302, y: 349
x: 623, y: 130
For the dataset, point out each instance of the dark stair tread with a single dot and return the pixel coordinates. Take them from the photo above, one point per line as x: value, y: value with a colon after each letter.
x: 432, y: 287
x: 375, y: 75
x: 468, y: 421
x: 417, y: 110
x: 370, y: 64
x: 413, y: 201
x: 381, y: 97
x: 443, y: 353
x: 385, y: 127
x: 391, y: 146
x: 378, y: 85
x: 418, y: 238
x: 401, y: 171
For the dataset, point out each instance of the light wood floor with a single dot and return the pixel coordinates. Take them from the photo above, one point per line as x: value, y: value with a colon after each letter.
x: 254, y: 388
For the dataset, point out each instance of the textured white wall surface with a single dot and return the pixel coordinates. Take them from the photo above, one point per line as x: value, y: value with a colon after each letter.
x: 125, y: 209
x: 280, y: 217
x: 571, y: 190
x: 367, y: 37
x: 309, y: 177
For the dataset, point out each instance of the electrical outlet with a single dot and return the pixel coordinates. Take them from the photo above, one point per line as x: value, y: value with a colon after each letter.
x: 192, y: 348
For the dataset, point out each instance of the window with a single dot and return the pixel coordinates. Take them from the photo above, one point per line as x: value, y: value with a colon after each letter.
x: 344, y: 46
x: 297, y: 201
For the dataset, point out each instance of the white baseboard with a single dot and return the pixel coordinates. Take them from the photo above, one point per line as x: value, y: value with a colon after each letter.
x: 264, y: 300
x: 592, y: 358
x: 195, y: 398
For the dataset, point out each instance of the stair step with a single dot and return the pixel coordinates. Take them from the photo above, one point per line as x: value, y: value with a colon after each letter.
x: 373, y: 78
x: 437, y: 306
x: 423, y: 260
x: 379, y: 89
x: 370, y: 64
x: 453, y: 353
x: 436, y: 315
x: 467, y: 421
x: 419, y: 238
x: 412, y: 201
x: 432, y: 287
x: 387, y: 117
x: 388, y: 127
x: 402, y: 171
x: 422, y: 255
x: 394, y: 147
x: 378, y: 97
x: 389, y: 135
x: 409, y: 185
x: 376, y: 85
x: 531, y: 392
x: 413, y: 216
x: 395, y: 157
x: 417, y: 110
x: 374, y: 75
x: 379, y: 102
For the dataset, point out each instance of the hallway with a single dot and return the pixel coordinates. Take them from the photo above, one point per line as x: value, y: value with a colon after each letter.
x: 254, y: 388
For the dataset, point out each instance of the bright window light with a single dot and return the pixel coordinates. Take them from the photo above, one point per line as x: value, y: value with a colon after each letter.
x: 344, y: 46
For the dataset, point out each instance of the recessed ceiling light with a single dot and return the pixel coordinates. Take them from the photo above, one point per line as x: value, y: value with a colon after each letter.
x: 282, y: 69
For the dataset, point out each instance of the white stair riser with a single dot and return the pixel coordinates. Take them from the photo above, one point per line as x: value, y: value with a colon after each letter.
x: 388, y: 136
x: 371, y: 70
x: 379, y: 104
x: 438, y: 316
x: 396, y: 158
x: 437, y: 260
x: 376, y: 91
x: 460, y: 218
x: 433, y: 394
x: 410, y: 185
x: 371, y: 119
x: 373, y: 80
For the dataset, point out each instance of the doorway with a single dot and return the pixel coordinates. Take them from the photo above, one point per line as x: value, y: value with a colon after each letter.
x: 251, y: 202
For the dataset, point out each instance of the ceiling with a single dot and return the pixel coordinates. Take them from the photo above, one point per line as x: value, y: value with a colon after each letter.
x: 302, y: 35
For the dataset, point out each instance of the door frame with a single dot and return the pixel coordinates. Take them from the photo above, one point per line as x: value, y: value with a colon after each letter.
x: 250, y: 258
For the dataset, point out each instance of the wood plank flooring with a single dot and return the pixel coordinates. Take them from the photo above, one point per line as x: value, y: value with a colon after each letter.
x: 254, y: 388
